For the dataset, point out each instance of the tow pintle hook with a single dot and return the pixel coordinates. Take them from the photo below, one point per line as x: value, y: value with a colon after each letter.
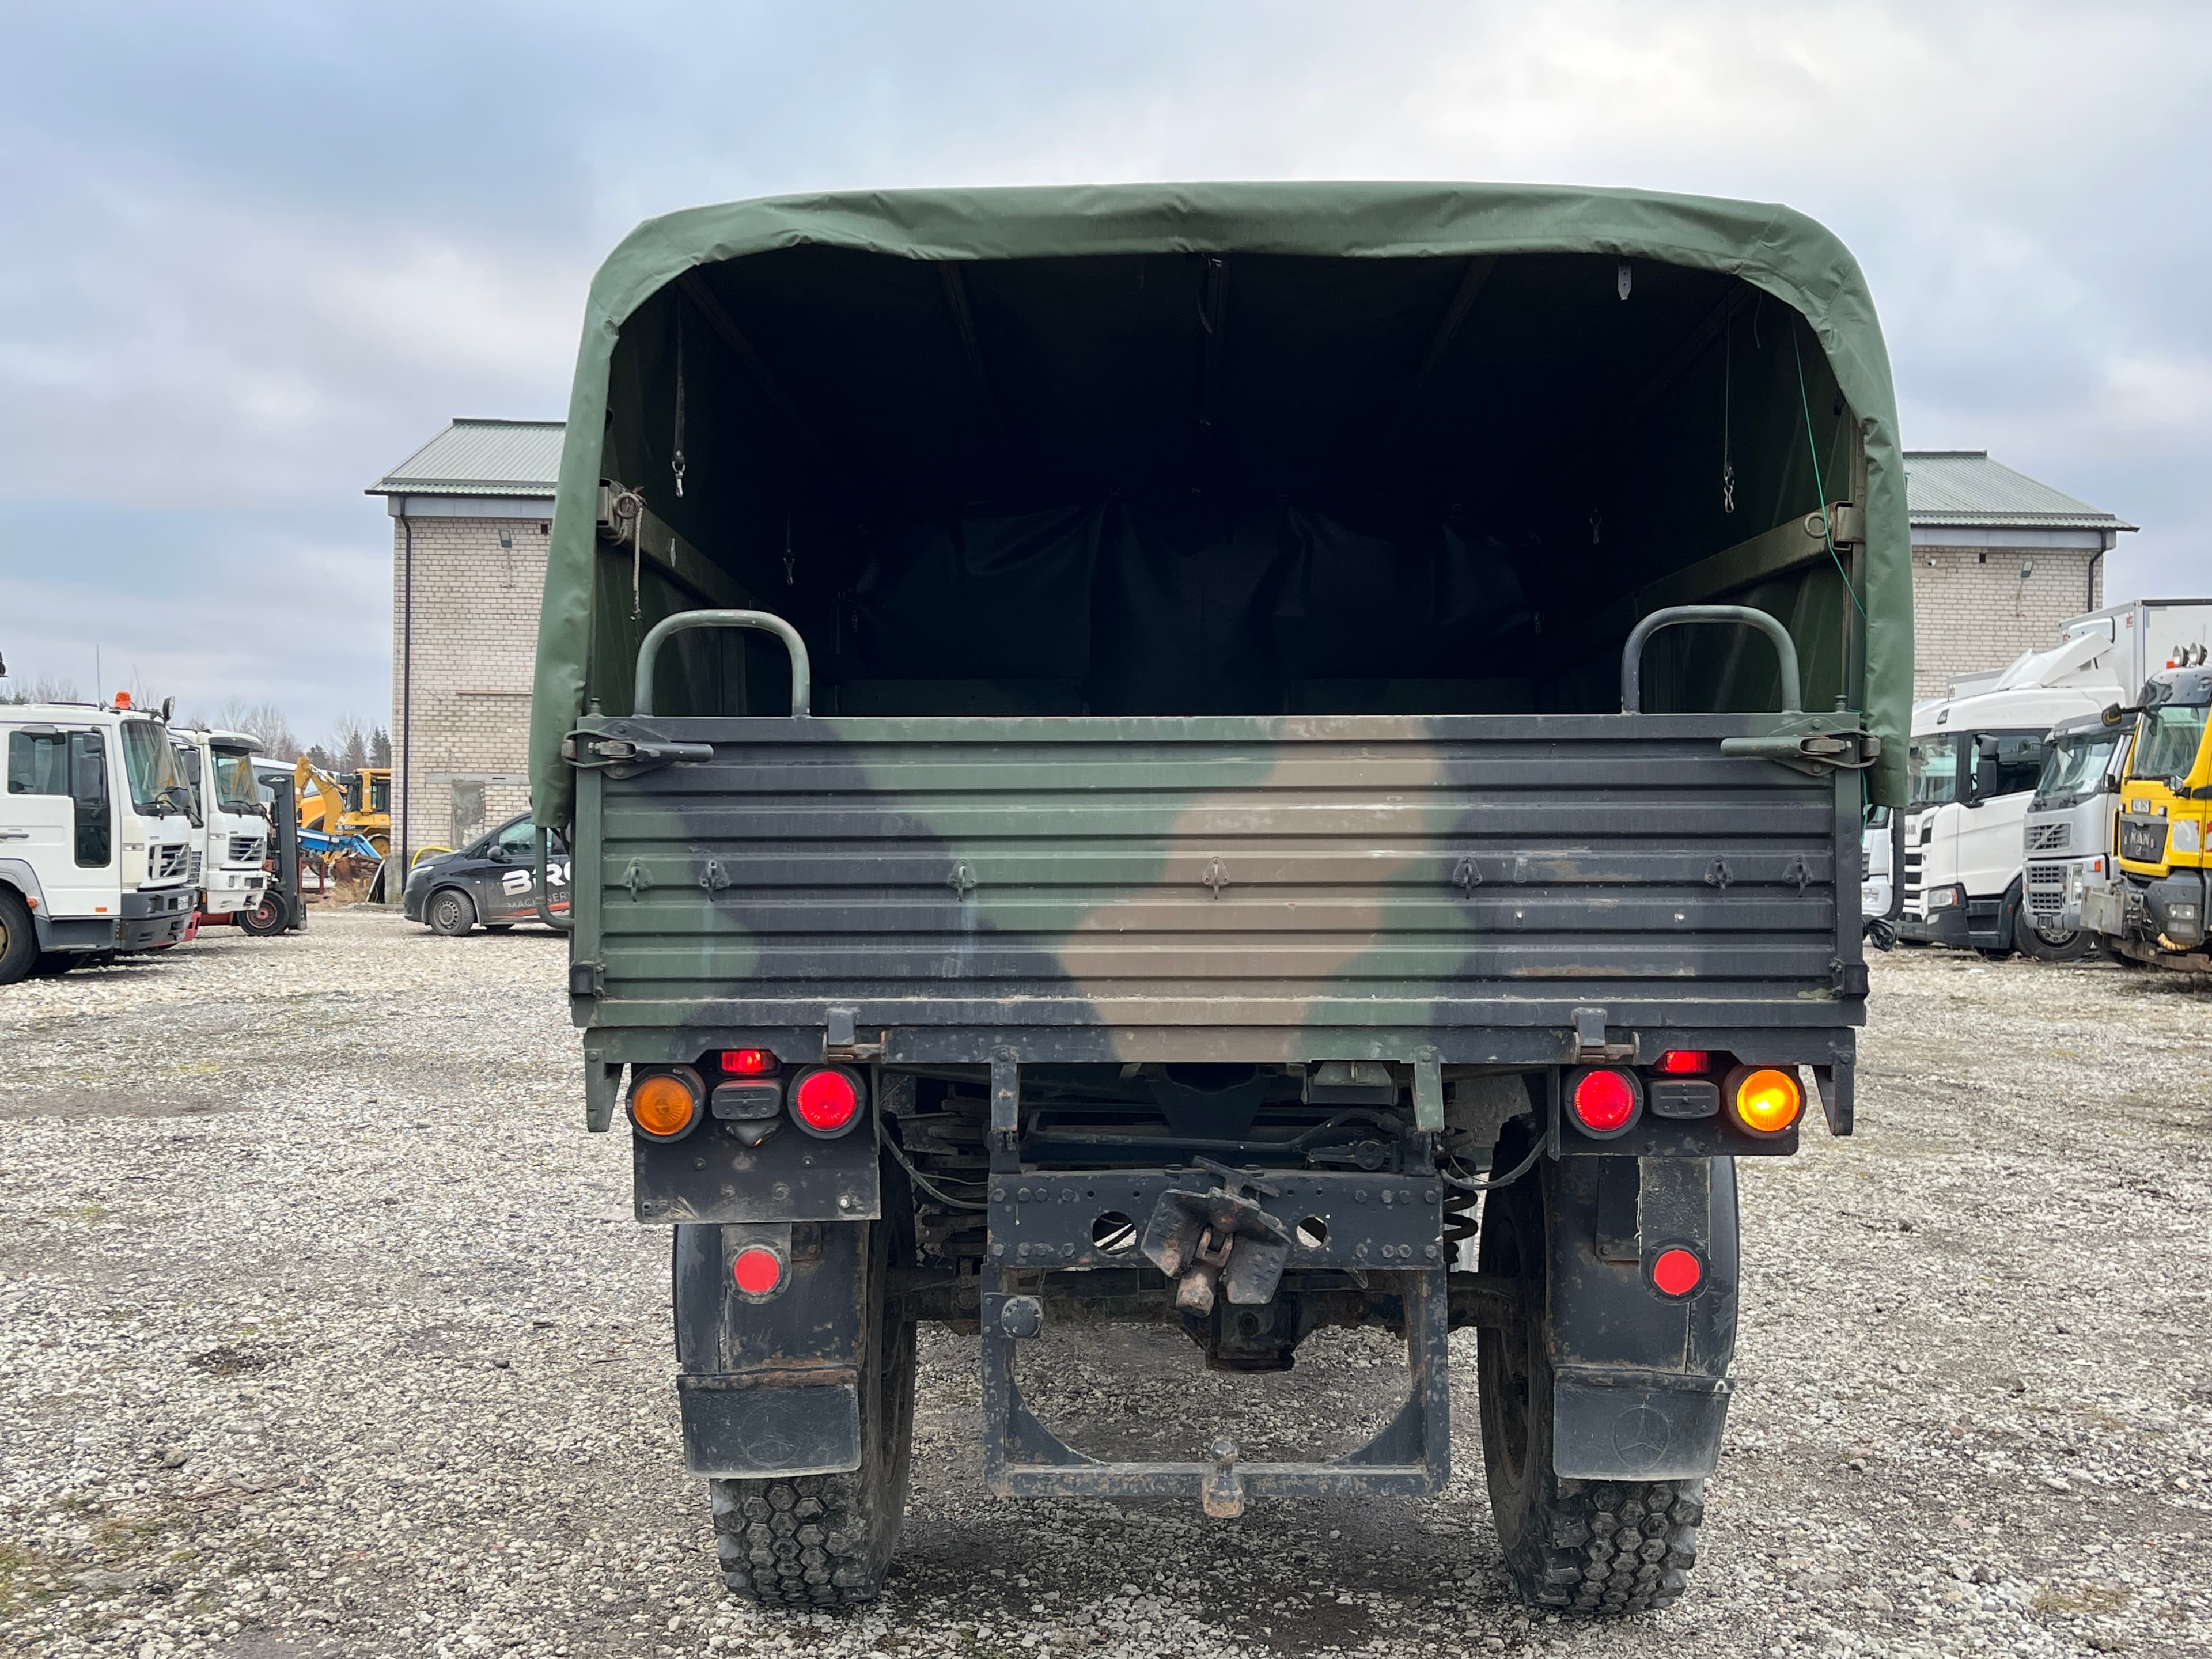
x: 1218, y: 1237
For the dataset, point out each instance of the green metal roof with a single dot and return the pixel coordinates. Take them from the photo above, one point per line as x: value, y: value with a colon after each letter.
x: 481, y: 457
x: 1964, y: 488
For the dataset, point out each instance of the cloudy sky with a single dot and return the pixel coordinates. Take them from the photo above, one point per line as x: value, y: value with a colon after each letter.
x: 250, y: 256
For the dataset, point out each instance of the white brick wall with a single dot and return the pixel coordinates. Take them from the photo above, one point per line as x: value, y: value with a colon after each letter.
x: 1971, y: 611
x: 475, y: 633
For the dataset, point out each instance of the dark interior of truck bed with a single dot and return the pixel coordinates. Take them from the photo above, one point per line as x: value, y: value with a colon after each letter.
x: 1181, y: 484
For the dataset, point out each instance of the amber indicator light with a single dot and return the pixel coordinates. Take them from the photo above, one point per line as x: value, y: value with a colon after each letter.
x: 1765, y: 1099
x: 663, y: 1105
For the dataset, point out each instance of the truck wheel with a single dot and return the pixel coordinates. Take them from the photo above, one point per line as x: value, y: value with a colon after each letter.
x: 828, y: 1539
x: 450, y: 913
x: 1597, y: 1546
x: 19, y: 941
x: 2032, y: 941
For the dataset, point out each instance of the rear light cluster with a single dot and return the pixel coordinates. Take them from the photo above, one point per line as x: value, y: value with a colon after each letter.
x: 1606, y: 1101
x: 667, y: 1102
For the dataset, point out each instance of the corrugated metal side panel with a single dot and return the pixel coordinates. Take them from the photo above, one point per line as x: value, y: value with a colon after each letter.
x: 1443, y: 872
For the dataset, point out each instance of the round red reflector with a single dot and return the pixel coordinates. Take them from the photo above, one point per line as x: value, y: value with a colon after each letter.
x: 826, y: 1101
x: 756, y: 1270
x: 1604, y: 1101
x: 748, y: 1062
x: 1677, y: 1272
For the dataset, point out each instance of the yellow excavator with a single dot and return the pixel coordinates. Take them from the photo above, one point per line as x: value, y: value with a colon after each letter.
x: 352, y: 804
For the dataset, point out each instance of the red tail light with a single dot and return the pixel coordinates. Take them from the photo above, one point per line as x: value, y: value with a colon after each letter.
x: 826, y: 1101
x: 1605, y: 1102
x: 1684, y: 1062
x: 757, y: 1270
x: 748, y: 1062
x: 1677, y: 1272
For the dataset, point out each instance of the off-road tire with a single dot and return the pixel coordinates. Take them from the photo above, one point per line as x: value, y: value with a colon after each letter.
x: 2031, y: 943
x: 450, y: 913
x: 827, y: 1541
x: 1595, y: 1546
x: 19, y: 940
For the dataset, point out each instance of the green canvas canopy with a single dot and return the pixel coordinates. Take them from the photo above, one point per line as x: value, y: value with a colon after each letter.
x: 1229, y: 448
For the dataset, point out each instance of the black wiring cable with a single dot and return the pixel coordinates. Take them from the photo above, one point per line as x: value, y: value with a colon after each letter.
x: 1490, y: 1186
x: 921, y: 1180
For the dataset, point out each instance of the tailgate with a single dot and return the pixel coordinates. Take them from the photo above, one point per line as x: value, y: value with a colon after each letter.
x: 1215, y: 886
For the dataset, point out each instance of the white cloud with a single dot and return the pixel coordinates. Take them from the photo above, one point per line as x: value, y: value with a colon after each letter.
x: 275, y: 251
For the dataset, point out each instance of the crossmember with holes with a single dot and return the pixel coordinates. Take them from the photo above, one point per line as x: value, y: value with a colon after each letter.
x: 1378, y: 1228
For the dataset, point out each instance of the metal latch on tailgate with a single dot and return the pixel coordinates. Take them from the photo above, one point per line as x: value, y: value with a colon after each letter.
x: 626, y: 749
x: 1818, y: 743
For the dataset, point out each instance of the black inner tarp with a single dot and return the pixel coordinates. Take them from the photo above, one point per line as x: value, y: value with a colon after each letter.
x: 1179, y: 483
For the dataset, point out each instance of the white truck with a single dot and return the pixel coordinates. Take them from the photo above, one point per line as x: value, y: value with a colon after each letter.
x: 1975, y: 759
x: 230, y: 840
x: 95, y: 836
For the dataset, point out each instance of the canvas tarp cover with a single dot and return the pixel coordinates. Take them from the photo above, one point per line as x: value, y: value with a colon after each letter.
x: 1347, y: 549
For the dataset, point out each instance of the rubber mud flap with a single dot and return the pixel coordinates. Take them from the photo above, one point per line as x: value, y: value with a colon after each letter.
x: 1602, y: 1430
x: 734, y: 1430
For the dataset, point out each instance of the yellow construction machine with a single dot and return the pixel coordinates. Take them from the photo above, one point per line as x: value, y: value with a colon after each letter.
x: 350, y: 804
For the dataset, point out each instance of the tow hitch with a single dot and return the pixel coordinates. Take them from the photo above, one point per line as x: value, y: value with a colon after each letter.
x: 1219, y: 1236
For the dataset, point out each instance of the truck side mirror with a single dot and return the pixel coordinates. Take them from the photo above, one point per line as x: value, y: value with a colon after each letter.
x: 88, y: 771
x: 1986, y: 770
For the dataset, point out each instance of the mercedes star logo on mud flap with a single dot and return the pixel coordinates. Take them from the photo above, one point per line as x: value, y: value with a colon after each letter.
x: 1641, y: 1435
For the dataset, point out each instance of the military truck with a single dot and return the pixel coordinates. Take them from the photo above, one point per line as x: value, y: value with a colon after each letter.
x: 1246, y: 757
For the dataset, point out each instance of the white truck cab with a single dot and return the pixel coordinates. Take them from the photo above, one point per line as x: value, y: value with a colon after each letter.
x: 1975, y: 759
x: 2067, y: 832
x: 231, y: 840
x: 95, y: 836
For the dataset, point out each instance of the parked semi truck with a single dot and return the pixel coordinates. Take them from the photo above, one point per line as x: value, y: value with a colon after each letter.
x: 2069, y: 832
x: 1180, y: 754
x: 230, y: 830
x: 2153, y: 909
x: 1976, y: 758
x: 95, y: 836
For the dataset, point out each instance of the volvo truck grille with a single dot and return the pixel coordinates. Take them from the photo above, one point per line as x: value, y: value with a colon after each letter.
x: 244, y: 850
x: 2051, y: 837
x: 170, y: 862
x: 2046, y: 888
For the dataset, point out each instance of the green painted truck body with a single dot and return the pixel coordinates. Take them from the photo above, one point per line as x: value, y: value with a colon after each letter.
x: 1156, y: 702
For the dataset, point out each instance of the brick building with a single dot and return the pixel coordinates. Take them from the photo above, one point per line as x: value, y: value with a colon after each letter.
x: 472, y: 515
x: 1999, y: 562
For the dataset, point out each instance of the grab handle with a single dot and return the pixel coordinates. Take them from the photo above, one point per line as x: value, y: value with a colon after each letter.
x: 559, y: 924
x: 1632, y: 654
x: 802, y: 671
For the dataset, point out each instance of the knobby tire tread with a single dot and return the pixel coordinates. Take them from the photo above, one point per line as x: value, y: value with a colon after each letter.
x: 801, y: 1541
x: 1608, y: 1547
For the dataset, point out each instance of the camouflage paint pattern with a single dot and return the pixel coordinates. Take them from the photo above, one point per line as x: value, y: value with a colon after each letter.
x: 1256, y: 888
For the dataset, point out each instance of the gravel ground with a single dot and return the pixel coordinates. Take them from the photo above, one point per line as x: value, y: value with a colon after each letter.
x: 324, y: 1328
